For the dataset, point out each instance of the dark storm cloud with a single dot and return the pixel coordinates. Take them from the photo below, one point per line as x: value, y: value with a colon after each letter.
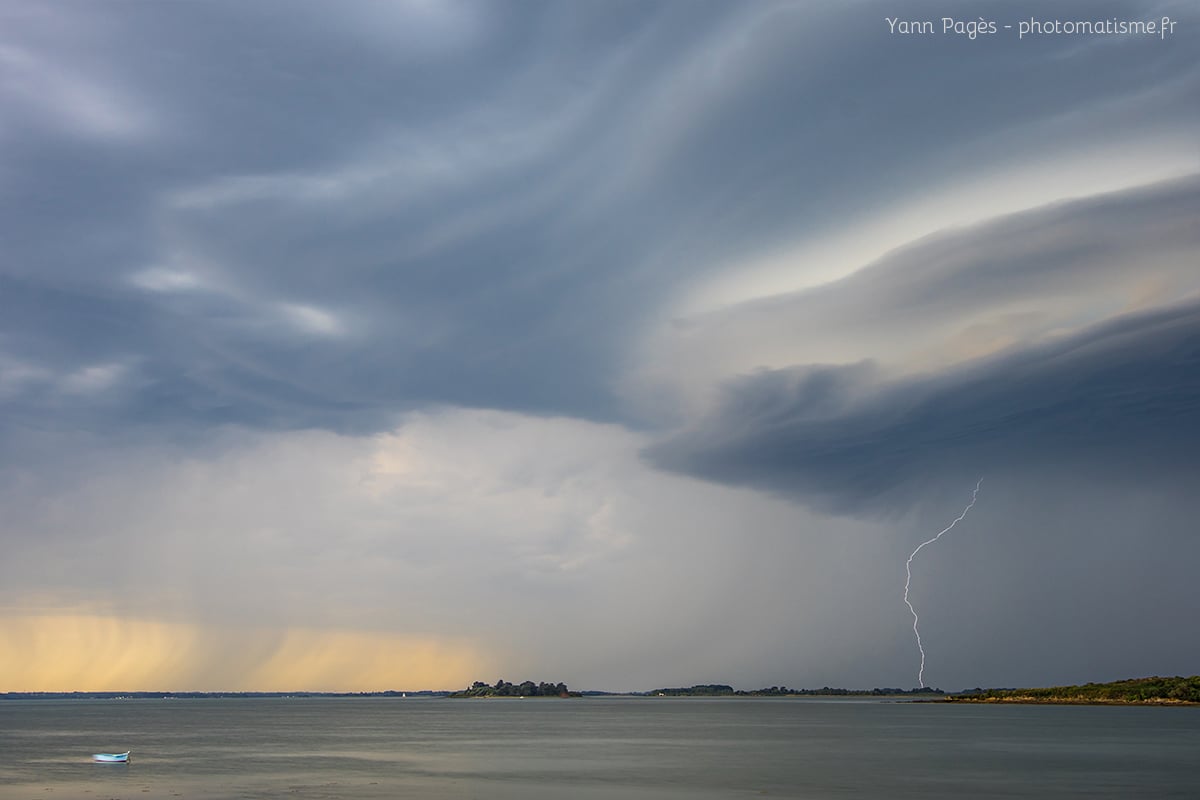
x: 891, y: 390
x: 413, y: 184
x: 321, y: 315
x: 294, y: 215
x: 1121, y: 399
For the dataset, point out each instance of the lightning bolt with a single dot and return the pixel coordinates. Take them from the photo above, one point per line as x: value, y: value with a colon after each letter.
x: 908, y: 579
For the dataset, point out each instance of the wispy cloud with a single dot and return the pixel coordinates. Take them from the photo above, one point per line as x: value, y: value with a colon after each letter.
x: 93, y: 379
x: 166, y: 280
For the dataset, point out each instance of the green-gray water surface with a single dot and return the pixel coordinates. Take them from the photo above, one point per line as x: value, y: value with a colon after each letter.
x: 593, y: 748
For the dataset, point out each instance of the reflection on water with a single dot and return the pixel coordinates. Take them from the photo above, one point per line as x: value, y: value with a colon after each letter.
x: 592, y: 748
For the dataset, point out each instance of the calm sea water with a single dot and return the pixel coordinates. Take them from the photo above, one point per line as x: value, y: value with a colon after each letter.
x: 593, y: 748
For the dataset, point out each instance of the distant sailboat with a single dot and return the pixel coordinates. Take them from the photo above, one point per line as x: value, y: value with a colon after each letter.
x: 112, y: 758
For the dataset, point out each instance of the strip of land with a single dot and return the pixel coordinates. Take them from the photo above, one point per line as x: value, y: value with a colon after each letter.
x: 1134, y: 691
x: 1154, y: 691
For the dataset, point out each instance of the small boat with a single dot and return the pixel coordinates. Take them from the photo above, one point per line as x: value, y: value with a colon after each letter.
x: 112, y: 758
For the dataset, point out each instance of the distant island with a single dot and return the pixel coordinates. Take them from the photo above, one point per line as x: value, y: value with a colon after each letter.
x: 722, y: 690
x: 524, y: 689
x: 503, y: 688
x: 1133, y: 691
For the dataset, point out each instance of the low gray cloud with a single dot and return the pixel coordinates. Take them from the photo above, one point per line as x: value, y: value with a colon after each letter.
x: 1120, y: 398
x: 1065, y: 334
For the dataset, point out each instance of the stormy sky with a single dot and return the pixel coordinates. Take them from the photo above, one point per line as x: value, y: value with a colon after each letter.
x: 403, y: 344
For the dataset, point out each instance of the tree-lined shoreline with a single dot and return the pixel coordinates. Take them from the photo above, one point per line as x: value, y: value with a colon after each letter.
x: 1133, y: 691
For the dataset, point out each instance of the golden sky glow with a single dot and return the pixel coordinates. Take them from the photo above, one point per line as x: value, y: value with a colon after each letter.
x: 88, y: 652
